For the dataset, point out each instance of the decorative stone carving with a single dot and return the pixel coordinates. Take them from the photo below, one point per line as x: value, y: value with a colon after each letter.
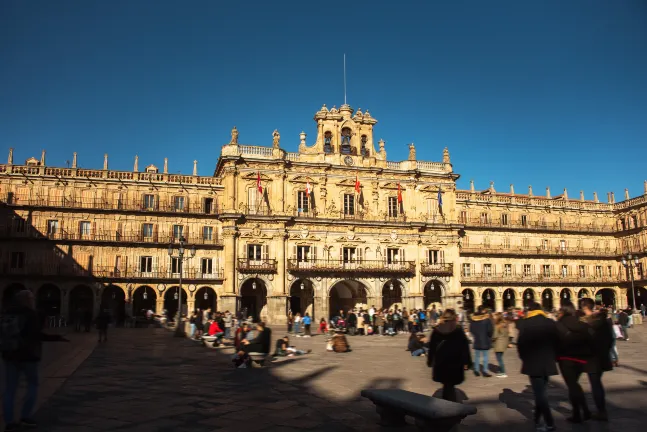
x: 276, y: 139
x: 234, y: 136
x: 412, y: 152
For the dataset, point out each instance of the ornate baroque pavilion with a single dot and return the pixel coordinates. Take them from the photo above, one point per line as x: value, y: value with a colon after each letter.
x: 329, y: 227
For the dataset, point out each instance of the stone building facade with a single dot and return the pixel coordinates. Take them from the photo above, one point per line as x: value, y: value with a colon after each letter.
x: 329, y: 227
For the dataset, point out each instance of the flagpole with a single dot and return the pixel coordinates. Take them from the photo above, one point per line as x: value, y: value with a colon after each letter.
x: 344, y: 78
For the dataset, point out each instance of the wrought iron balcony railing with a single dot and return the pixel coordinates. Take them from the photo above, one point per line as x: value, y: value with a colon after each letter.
x: 538, y: 251
x: 246, y: 265
x: 109, y: 272
x: 539, y: 226
x: 363, y: 266
x: 442, y: 269
x: 536, y: 278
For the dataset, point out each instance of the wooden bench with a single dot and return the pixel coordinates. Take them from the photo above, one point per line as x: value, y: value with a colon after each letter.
x: 430, y: 413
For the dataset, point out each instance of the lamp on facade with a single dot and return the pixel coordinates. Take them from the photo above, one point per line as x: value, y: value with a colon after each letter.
x: 508, y: 296
x: 565, y: 295
x: 487, y: 296
x: 527, y: 296
x: 176, y: 295
x: 145, y: 295
x: 546, y: 296
x: 391, y: 286
x: 179, y: 328
x: 253, y: 284
x: 303, y: 286
x: 206, y: 296
x: 467, y: 296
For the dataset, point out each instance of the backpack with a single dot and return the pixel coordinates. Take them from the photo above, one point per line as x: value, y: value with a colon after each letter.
x: 11, y: 327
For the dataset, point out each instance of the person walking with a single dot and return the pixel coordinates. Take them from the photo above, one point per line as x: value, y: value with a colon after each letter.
x: 21, y: 343
x: 482, y: 331
x: 536, y: 345
x: 228, y: 320
x: 603, y: 336
x: 500, y: 340
x: 102, y: 321
x: 307, y: 321
x: 575, y: 351
x: 449, y: 354
x: 623, y: 321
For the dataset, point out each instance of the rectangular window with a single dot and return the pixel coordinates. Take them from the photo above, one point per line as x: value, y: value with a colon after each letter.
x: 349, y: 204
x: 506, y: 243
x: 206, y: 265
x: 85, y: 228
x: 349, y: 255
x: 18, y: 225
x: 207, y: 233
x: 254, y: 252
x: 146, y: 264
x: 149, y: 202
x: 525, y: 243
x: 178, y: 203
x: 609, y: 271
x: 527, y: 269
x: 52, y: 227
x: 393, y: 207
x: 486, y: 242
x: 564, y: 270
x: 175, y: 265
x: 432, y: 208
x: 467, y: 269
x: 178, y: 232
x: 545, y: 244
x: 303, y: 253
x: 562, y: 245
x: 147, y: 230
x: 524, y: 220
x: 394, y: 256
x: 546, y: 270
x: 463, y: 217
x: 639, y: 270
x: 598, y: 271
x: 208, y: 206
x: 484, y: 218
x: 303, y: 202
x: 17, y: 260
x: 256, y: 201
x: 582, y: 271
x: 507, y: 269
x: 504, y: 219
x: 433, y: 256
x: 487, y: 269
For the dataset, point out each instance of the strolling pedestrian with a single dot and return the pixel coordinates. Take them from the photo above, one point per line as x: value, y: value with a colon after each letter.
x: 536, y: 344
x: 307, y: 322
x: 449, y: 354
x: 228, y: 320
x: 500, y: 341
x: 482, y: 331
x: 21, y: 341
x: 623, y: 321
x: 102, y: 321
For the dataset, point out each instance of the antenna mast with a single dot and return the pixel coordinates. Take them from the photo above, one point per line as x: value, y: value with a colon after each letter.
x: 344, y: 78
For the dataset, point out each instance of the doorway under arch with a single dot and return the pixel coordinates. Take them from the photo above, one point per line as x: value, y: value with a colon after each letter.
x: 82, y: 303
x: 468, y: 300
x: 9, y: 292
x: 253, y: 299
x: 113, y: 299
x: 48, y: 300
x: 565, y: 297
x: 206, y: 298
x: 302, y: 297
x: 433, y: 294
x: 392, y: 294
x: 346, y: 295
x: 547, y: 300
x: 488, y: 299
x: 583, y: 293
x: 641, y: 297
x: 528, y: 297
x: 171, y: 298
x: 144, y: 299
x: 509, y: 299
x: 607, y: 296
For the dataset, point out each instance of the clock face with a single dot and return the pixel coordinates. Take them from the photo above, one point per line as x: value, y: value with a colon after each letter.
x: 348, y: 160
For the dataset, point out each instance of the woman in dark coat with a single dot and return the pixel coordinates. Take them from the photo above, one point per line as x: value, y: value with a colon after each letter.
x: 449, y: 354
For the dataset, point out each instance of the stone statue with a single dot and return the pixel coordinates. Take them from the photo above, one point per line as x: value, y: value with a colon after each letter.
x: 234, y: 136
x: 446, y: 156
x: 412, y: 152
x: 276, y: 138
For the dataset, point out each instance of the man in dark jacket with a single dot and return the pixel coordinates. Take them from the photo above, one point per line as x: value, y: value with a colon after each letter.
x: 22, y: 343
x: 537, y: 345
x: 623, y: 321
x: 351, y: 323
x: 482, y: 330
x: 602, y: 343
x: 261, y: 343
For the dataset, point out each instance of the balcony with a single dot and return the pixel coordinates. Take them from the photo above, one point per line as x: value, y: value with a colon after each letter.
x: 130, y: 237
x: 109, y: 273
x: 256, y: 266
x: 539, y: 251
x: 364, y: 266
x: 481, y: 278
x: 443, y: 269
x: 198, y: 208
x: 538, y: 226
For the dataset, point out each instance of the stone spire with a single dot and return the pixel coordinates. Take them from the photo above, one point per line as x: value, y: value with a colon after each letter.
x: 471, y: 185
x: 136, y: 165
x: 74, y: 160
x: 565, y: 194
x: 10, y: 162
x: 613, y: 197
x: 446, y: 156
x: 42, y: 158
x: 166, y: 162
x: 548, y: 192
x: 195, y: 167
x: 302, y: 139
x: 529, y: 190
x: 626, y: 194
x: 105, y: 161
x: 595, y: 197
x: 609, y: 197
x: 511, y: 189
x: 581, y: 195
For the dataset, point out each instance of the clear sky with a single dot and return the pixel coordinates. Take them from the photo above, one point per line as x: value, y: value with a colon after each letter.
x: 549, y: 93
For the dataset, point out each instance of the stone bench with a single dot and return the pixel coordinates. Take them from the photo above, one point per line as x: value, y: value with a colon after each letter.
x: 258, y: 358
x: 430, y: 413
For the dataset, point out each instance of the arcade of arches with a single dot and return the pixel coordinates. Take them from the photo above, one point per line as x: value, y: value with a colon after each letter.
x: 348, y: 294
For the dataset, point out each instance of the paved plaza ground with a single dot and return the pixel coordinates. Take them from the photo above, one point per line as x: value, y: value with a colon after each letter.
x: 145, y: 380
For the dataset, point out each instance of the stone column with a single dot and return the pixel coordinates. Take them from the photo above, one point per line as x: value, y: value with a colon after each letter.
x: 499, y: 304
x: 277, y: 301
x: 159, y: 303
x: 518, y: 301
x: 65, y: 304
x: 228, y: 300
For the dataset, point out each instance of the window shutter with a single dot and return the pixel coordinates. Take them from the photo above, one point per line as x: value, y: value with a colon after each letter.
x: 441, y: 257
x: 170, y: 232
x: 341, y: 254
x: 402, y: 258
x: 185, y: 232
x: 265, y: 252
x: 186, y: 204
x: 294, y: 252
x: 314, y: 253
x: 360, y: 254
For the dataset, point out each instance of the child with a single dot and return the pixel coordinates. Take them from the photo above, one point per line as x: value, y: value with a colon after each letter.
x: 323, y: 326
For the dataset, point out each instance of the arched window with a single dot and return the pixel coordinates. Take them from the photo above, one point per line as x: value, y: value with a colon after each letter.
x: 328, y: 142
x: 345, y: 140
x: 363, y: 149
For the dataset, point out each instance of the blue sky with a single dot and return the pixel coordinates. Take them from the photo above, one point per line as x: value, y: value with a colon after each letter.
x: 549, y: 93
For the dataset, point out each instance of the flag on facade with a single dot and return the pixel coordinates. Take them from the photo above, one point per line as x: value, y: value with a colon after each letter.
x: 308, y: 188
x: 399, y: 194
x: 358, y: 188
x: 440, y: 201
x: 258, y: 183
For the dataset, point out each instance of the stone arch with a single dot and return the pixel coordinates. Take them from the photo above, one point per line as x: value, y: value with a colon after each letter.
x: 81, y: 303
x: 171, y: 299
x: 509, y: 298
x: 608, y: 297
x: 583, y: 293
x: 10, y: 291
x: 252, y: 299
x: 205, y: 298
x: 565, y: 296
x: 346, y: 294
x: 640, y: 293
x: 113, y: 299
x: 302, y: 297
x: 548, y: 299
x: 367, y: 285
x: 433, y: 293
x: 488, y: 298
x: 392, y: 293
x: 144, y: 299
x: 266, y: 281
x: 529, y: 295
x: 469, y: 296
x: 48, y: 300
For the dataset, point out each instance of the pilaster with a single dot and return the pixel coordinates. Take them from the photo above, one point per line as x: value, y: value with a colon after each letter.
x: 276, y: 310
x: 229, y: 235
x: 228, y: 302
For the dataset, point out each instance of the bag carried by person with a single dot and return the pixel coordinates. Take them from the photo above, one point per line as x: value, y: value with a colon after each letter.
x: 618, y: 331
x: 11, y: 327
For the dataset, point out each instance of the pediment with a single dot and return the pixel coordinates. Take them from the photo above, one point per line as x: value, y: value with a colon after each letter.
x: 393, y: 186
x: 304, y: 179
x: 346, y: 239
x: 32, y: 161
x: 347, y: 183
x: 299, y: 237
x: 254, y: 176
x: 429, y: 189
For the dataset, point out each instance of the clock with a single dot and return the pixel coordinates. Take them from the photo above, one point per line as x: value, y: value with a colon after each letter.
x: 348, y: 160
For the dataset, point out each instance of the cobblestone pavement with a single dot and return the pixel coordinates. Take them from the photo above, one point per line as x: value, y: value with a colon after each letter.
x: 145, y: 380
